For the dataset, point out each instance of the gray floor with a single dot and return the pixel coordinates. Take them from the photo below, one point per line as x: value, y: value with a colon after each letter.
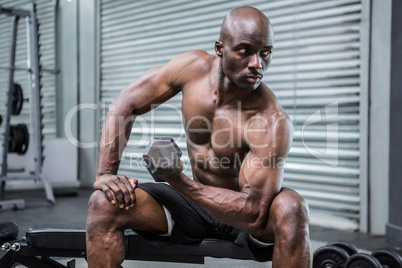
x: 71, y: 205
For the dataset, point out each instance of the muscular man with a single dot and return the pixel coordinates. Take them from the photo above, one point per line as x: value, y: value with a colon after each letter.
x: 238, y: 137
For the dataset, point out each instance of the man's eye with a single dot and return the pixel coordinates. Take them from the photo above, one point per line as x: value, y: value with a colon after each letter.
x: 243, y: 50
x: 266, y: 53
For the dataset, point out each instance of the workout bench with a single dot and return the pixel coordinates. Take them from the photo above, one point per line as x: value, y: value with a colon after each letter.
x: 48, y: 240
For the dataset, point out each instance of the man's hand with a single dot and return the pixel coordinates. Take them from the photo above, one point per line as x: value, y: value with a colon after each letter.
x: 118, y: 189
x: 173, y: 178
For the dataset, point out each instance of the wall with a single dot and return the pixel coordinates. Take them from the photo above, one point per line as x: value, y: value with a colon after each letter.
x: 380, y: 57
x: 77, y: 83
x: 88, y: 97
x: 394, y: 225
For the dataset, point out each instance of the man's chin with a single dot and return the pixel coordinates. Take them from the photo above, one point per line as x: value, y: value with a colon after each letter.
x: 251, y: 86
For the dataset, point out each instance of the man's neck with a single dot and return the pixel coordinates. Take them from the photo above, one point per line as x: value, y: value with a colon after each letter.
x: 229, y: 95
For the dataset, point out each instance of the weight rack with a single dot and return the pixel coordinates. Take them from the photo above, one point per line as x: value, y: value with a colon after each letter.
x: 34, y: 69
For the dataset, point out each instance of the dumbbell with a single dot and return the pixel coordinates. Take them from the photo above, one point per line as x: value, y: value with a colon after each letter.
x: 335, y: 254
x: 343, y: 254
x: 162, y: 155
x: 378, y: 259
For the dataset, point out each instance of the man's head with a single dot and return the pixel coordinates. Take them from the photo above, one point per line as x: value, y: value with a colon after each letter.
x: 245, y: 46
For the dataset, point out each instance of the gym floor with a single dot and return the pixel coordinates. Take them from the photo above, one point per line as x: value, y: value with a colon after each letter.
x: 71, y: 205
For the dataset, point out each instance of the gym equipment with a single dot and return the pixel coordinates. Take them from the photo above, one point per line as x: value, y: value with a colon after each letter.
x: 349, y: 248
x: 17, y: 99
x: 16, y: 138
x: 19, y: 139
x: 49, y: 240
x: 12, y: 204
x: 334, y: 254
x: 361, y: 260
x: 8, y: 231
x: 343, y: 254
x: 388, y: 258
x: 330, y: 257
x: 161, y: 156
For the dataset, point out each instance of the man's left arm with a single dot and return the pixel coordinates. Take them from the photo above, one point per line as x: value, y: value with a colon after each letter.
x: 260, y: 180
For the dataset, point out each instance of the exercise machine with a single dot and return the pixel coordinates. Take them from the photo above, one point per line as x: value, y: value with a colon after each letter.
x: 35, y: 70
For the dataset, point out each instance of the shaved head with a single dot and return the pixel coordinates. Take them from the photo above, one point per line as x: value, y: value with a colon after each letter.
x: 245, y: 47
x: 243, y: 19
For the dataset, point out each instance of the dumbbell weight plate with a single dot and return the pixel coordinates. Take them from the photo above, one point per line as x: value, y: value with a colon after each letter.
x: 388, y: 258
x: 363, y: 260
x: 18, y: 139
x: 330, y: 257
x: 22, y: 138
x: 161, y: 156
x: 349, y: 248
x: 17, y: 99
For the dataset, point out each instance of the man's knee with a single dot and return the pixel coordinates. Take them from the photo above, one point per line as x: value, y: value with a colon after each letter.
x: 291, y: 209
x: 98, y: 202
x: 100, y: 210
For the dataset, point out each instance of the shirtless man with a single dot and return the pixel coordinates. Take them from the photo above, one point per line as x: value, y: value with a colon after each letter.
x: 229, y: 114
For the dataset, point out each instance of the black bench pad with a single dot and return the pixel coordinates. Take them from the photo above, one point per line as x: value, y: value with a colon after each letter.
x: 71, y: 235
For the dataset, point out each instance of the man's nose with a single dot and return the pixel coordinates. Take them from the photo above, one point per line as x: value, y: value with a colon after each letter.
x: 255, y: 62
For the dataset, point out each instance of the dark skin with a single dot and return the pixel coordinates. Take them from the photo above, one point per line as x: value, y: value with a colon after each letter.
x: 229, y: 114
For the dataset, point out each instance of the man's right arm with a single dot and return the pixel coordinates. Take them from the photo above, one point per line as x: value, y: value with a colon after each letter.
x: 152, y: 88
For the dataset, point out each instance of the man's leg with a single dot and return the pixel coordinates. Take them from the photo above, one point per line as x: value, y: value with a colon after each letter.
x: 106, y: 224
x: 288, y: 227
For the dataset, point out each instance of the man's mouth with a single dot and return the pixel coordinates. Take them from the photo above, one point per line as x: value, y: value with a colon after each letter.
x: 253, y: 78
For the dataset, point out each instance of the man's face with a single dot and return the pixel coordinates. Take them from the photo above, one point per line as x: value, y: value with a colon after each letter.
x: 246, y: 54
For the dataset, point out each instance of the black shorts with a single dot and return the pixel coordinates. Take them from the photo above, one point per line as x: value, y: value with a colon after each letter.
x: 192, y: 224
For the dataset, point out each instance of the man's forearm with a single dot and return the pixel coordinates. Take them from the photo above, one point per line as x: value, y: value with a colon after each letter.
x: 115, y: 135
x: 233, y: 208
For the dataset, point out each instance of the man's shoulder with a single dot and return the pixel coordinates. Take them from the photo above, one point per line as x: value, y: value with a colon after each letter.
x: 273, y: 110
x: 191, y: 65
x: 197, y: 59
x: 198, y: 54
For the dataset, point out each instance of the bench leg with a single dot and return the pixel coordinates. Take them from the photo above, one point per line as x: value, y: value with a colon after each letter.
x: 9, y: 259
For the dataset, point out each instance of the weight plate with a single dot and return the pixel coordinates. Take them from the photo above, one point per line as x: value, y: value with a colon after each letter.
x: 350, y: 249
x: 24, y: 130
x: 330, y: 257
x: 388, y: 258
x: 17, y: 99
x: 363, y: 260
x: 18, y: 139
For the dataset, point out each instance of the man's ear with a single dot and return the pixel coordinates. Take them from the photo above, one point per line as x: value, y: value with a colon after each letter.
x: 219, y: 48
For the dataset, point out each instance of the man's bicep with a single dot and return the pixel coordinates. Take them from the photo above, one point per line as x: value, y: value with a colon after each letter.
x: 261, y: 176
x: 262, y: 170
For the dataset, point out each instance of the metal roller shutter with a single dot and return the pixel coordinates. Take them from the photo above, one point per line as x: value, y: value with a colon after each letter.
x: 315, y: 73
x: 47, y: 17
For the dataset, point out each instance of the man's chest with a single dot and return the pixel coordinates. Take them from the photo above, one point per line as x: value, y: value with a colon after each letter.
x: 222, y: 129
